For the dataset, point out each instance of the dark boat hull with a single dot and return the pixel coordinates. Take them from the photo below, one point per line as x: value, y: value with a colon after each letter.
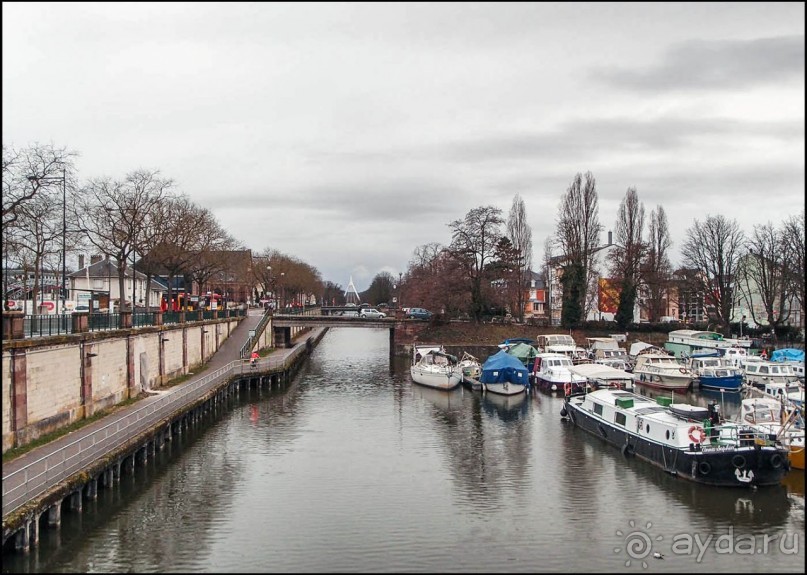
x: 745, y: 466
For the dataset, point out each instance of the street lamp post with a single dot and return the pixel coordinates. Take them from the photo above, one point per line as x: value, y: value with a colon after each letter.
x: 283, y: 293
x: 63, y: 179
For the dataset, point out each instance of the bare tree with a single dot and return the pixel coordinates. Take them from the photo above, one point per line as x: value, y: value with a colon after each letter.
x: 473, y: 245
x: 191, y: 236
x: 627, y: 255
x: 793, y: 246
x: 763, y: 274
x: 520, y: 234
x: 578, y: 232
x: 114, y: 214
x: 28, y: 171
x: 714, y: 248
x: 40, y: 228
x: 656, y: 269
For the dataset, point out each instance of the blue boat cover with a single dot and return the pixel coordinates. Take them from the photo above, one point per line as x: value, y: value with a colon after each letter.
x: 787, y: 354
x: 501, y: 367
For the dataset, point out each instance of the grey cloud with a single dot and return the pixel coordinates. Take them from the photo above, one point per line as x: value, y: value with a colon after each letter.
x: 716, y: 65
x: 591, y: 138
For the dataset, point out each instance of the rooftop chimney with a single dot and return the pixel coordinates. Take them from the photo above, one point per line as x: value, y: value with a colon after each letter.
x: 610, y: 237
x: 81, y: 261
x: 95, y: 259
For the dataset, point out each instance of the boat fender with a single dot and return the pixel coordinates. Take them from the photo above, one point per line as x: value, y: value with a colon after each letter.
x: 738, y: 461
x: 563, y: 412
x: 697, y: 434
x: 567, y: 388
x: 776, y: 461
x: 704, y: 467
x: 627, y: 450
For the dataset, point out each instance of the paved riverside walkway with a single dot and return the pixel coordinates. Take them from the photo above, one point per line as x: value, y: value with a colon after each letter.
x: 227, y: 353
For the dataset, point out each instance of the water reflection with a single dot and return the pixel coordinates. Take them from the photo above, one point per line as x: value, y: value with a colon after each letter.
x: 353, y: 467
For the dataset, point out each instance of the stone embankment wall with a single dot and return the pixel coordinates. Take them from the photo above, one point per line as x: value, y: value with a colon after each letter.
x: 51, y: 382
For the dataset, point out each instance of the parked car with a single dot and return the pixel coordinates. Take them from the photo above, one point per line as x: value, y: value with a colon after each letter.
x: 418, y: 313
x: 373, y: 313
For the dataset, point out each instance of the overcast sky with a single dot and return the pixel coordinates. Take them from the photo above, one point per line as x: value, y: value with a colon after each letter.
x: 347, y: 135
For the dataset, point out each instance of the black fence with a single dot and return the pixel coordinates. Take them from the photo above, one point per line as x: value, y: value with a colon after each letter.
x: 48, y: 325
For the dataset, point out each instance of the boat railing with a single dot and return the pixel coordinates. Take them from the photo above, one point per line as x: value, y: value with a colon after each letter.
x: 732, y: 433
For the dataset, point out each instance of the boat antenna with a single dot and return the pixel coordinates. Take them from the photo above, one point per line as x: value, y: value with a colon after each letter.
x: 721, y: 400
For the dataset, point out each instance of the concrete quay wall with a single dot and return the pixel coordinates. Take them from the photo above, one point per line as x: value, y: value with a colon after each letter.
x: 51, y: 382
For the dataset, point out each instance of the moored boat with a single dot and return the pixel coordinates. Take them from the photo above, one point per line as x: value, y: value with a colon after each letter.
x: 661, y: 371
x: 504, y: 374
x: 790, y: 393
x: 603, y: 376
x: 761, y: 372
x: 552, y: 372
x: 771, y: 416
x: 683, y: 342
x: 711, y: 452
x: 433, y: 367
x: 471, y: 370
x: 715, y: 372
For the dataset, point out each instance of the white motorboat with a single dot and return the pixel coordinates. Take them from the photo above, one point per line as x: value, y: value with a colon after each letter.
x: 759, y: 373
x: 433, y: 367
x: 771, y: 417
x: 683, y: 342
x: 662, y: 371
x: 603, y: 376
x: 552, y: 372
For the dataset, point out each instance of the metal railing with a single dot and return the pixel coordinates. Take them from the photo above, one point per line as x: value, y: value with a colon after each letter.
x: 250, y: 343
x: 43, y: 325
x: 35, y: 478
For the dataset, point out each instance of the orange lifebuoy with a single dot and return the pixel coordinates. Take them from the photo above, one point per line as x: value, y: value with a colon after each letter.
x: 682, y: 369
x: 701, y: 434
x: 567, y: 388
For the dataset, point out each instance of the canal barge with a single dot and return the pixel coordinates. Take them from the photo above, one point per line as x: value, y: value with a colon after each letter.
x: 711, y: 451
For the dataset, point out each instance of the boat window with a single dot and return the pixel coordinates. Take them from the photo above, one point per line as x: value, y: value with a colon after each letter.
x: 598, y: 408
x: 763, y: 369
x: 620, y: 418
x: 647, y: 428
x: 667, y: 434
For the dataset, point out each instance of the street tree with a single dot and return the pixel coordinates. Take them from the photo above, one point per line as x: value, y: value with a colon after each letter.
x: 764, y: 275
x: 713, y: 248
x: 520, y: 235
x: 656, y: 271
x: 626, y: 256
x: 793, y: 245
x: 578, y: 231
x: 30, y: 170
x: 473, y: 245
x: 113, y: 214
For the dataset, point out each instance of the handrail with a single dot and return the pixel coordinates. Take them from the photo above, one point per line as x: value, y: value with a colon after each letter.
x: 36, y: 477
x: 247, y: 347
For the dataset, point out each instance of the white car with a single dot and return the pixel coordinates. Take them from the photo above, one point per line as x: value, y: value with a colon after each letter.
x: 371, y: 312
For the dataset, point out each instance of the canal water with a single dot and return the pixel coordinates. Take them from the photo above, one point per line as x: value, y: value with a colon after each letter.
x: 353, y: 468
